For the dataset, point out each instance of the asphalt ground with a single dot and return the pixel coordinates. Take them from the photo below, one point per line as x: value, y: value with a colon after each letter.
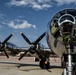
x: 27, y: 66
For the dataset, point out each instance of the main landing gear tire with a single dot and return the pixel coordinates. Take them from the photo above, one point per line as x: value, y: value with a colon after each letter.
x: 47, y: 66
x: 41, y: 64
x: 44, y: 65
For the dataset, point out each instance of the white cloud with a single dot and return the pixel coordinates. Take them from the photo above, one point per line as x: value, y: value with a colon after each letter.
x: 39, y: 4
x: 18, y: 25
x: 35, y: 4
x: 18, y: 3
x: 61, y: 2
x: 40, y: 7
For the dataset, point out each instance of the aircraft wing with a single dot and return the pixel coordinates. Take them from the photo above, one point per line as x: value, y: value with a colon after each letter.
x: 20, y: 51
x: 15, y: 51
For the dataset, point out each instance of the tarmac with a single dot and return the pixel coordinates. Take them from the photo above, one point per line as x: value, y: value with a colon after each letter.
x: 27, y: 66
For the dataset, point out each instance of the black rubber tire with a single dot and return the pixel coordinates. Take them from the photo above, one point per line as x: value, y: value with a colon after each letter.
x: 41, y: 64
x: 47, y: 66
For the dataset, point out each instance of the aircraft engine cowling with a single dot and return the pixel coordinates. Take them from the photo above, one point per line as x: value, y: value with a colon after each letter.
x: 61, y: 29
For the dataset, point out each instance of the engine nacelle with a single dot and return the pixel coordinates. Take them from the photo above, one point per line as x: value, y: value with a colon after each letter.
x: 61, y: 29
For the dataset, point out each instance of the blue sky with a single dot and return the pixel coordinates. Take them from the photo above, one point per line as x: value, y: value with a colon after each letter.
x: 28, y: 16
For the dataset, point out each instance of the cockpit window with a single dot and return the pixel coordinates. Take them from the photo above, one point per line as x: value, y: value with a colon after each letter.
x: 66, y: 17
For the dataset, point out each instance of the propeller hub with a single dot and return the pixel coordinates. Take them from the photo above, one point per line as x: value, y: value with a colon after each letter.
x: 32, y: 48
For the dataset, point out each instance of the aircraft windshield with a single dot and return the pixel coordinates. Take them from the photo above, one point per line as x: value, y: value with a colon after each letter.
x: 66, y: 17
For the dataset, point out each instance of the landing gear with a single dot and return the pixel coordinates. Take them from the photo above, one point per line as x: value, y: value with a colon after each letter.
x: 70, y: 62
x: 41, y: 64
x: 47, y: 66
x: 44, y: 64
x: 64, y: 59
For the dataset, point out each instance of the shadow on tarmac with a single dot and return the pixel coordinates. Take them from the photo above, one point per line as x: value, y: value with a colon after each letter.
x: 18, y: 65
x: 23, y: 65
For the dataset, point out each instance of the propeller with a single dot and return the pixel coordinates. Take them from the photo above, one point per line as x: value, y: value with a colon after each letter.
x: 25, y: 38
x: 36, y: 42
x: 33, y: 45
x: 2, y: 44
x: 23, y: 55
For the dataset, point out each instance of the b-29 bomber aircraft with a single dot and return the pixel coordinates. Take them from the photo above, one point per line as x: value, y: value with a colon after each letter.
x: 61, y: 38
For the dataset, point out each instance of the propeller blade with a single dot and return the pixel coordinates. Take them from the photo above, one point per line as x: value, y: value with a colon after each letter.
x: 27, y: 40
x: 7, y: 39
x: 36, y: 42
x: 23, y: 55
x: 6, y: 53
